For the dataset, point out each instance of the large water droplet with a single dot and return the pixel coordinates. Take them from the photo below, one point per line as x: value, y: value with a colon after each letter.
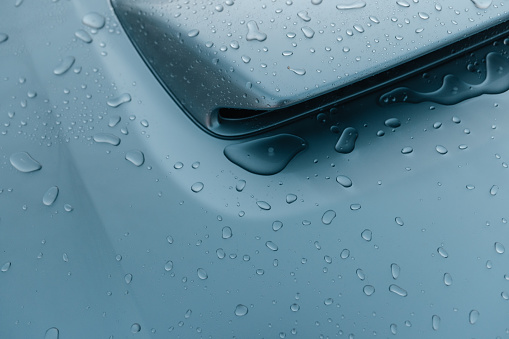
x: 136, y: 157
x: 294, y: 307
x: 352, y: 5
x: 192, y: 33
x: 499, y: 248
x: 277, y: 225
x: 168, y: 266
x: 367, y: 234
x: 304, y: 15
x: 442, y: 252
x: 291, y: 198
x: 441, y: 149
x: 135, y: 328
x: 395, y: 270
x: 435, y: 322
x: 344, y: 253
x: 392, y: 122
x: 197, y: 187
x: 308, y: 32
x: 6, y: 266
x: 51, y: 333
x: 346, y: 142
x: 202, y: 274
x: 241, y: 310
x: 328, y: 216
x: 263, y: 205
x: 270, y: 245
x: 399, y: 221
x: 227, y: 232
x: 121, y: 99
x: 253, y: 32
x: 368, y: 290
x: 241, y: 184
x: 494, y: 190
x: 50, y: 196
x: 473, y: 316
x: 94, y: 20
x: 407, y: 150
x: 65, y: 65
x: 83, y: 36
x: 265, y: 156
x: 398, y: 290
x: 344, y: 181
x: 360, y: 274
x: 23, y: 162
x: 482, y: 4
x: 107, y: 138
x: 447, y: 279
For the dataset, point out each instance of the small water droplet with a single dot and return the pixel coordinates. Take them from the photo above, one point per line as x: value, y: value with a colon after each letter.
x: 344, y: 181
x: 399, y: 221
x: 83, y: 36
x: 447, y: 279
x: 23, y: 162
x: 51, y: 333
x: 270, y: 245
x: 441, y: 149
x: 392, y: 123
x: 294, y: 307
x: 360, y: 274
x: 355, y: 207
x: 193, y: 33
x: 345, y: 253
x: 6, y: 266
x: 197, y: 187
x: 241, y: 184
x: 367, y: 234
x: 407, y: 150
x: 290, y: 198
x: 442, y: 252
x: 121, y: 99
x: 202, y: 274
x: 328, y: 216
x: 68, y: 208
x: 64, y: 65
x: 253, y: 32
x: 395, y: 270
x: 473, y: 316
x: 403, y: 3
x: 94, y: 20
x: 494, y: 190
x: 107, y: 138
x: 423, y: 15
x: 128, y: 278
x: 499, y: 248
x: 353, y: 5
x: 276, y: 225
x: 241, y: 310
x: 227, y: 232
x: 168, y: 266
x: 435, y: 322
x: 394, y: 329
x: 368, y: 290
x: 263, y: 205
x: 50, y: 196
x: 298, y: 71
x: 135, y: 328
x: 346, y: 142
x: 398, y: 290
x: 504, y: 295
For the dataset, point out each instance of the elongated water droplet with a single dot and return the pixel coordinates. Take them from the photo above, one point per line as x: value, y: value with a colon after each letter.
x: 227, y: 232
x: 367, y: 235
x: 241, y: 310
x: 168, y: 266
x: 263, y: 205
x: 271, y: 246
x: 441, y: 149
x: 442, y: 252
x: 399, y: 221
x: 202, y: 274
x: 298, y: 71
x: 192, y: 33
x: 398, y: 290
x: 344, y: 253
x: 403, y: 3
x: 482, y: 4
x: 50, y: 196
x: 197, y: 187
x: 304, y: 15
x: 94, y: 20
x: 23, y: 162
x: 407, y: 150
x: 121, y: 99
x: 494, y: 190
x: 473, y: 316
x: 395, y: 269
x: 83, y: 36
x: 241, y: 184
x: 3, y: 37
x: 368, y: 290
x: 499, y: 248
x: 360, y: 274
x: 344, y: 181
x: 328, y: 216
x: 64, y: 65
x: 265, y: 156
x: 435, y: 322
x: 352, y: 5
x: 253, y: 32
x: 6, y: 266
x: 423, y: 15
x: 392, y: 123
x: 394, y: 329
x: 135, y: 157
x: 346, y: 142
x: 277, y: 225
x: 51, y: 333
x: 308, y: 32
x: 107, y: 138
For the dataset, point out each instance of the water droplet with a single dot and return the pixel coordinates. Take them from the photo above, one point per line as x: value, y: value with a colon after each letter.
x: 6, y: 266
x: 447, y: 279
x: 354, y: 5
x: 276, y: 225
x: 473, y: 316
x: 253, y: 32
x: 399, y: 221
x: 241, y: 310
x: 135, y: 328
x: 202, y: 274
x: 346, y: 142
x: 360, y: 274
x: 304, y: 15
x: 398, y: 290
x: 328, y: 216
x: 308, y: 32
x: 494, y: 190
x: 121, y: 99
x: 114, y: 120
x: 168, y: 266
x: 345, y: 253
x: 263, y: 205
x: 368, y: 290
x: 367, y: 234
x: 3, y: 37
x: 51, y: 333
x: 107, y: 138
x: 442, y: 252
x: 265, y: 156
x: 271, y: 246
x: 294, y: 307
x: 128, y: 278
x: 423, y: 15
x: 227, y: 232
x: 23, y: 162
x: 192, y: 33
x: 435, y: 322
x: 290, y: 198
x: 344, y: 181
x: 240, y: 185
x: 482, y: 4
x: 407, y: 150
x: 392, y: 123
x: 504, y: 295
x: 83, y: 36
x: 50, y: 196
x: 316, y: 2
x: 197, y: 187
x: 136, y: 157
x: 403, y: 3
x: 355, y: 207
x: 65, y: 65
x: 394, y: 329
x: 499, y: 248
x: 94, y: 20
x: 246, y: 59
x: 68, y: 208
x: 298, y: 71
x: 395, y: 270
x: 441, y: 149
